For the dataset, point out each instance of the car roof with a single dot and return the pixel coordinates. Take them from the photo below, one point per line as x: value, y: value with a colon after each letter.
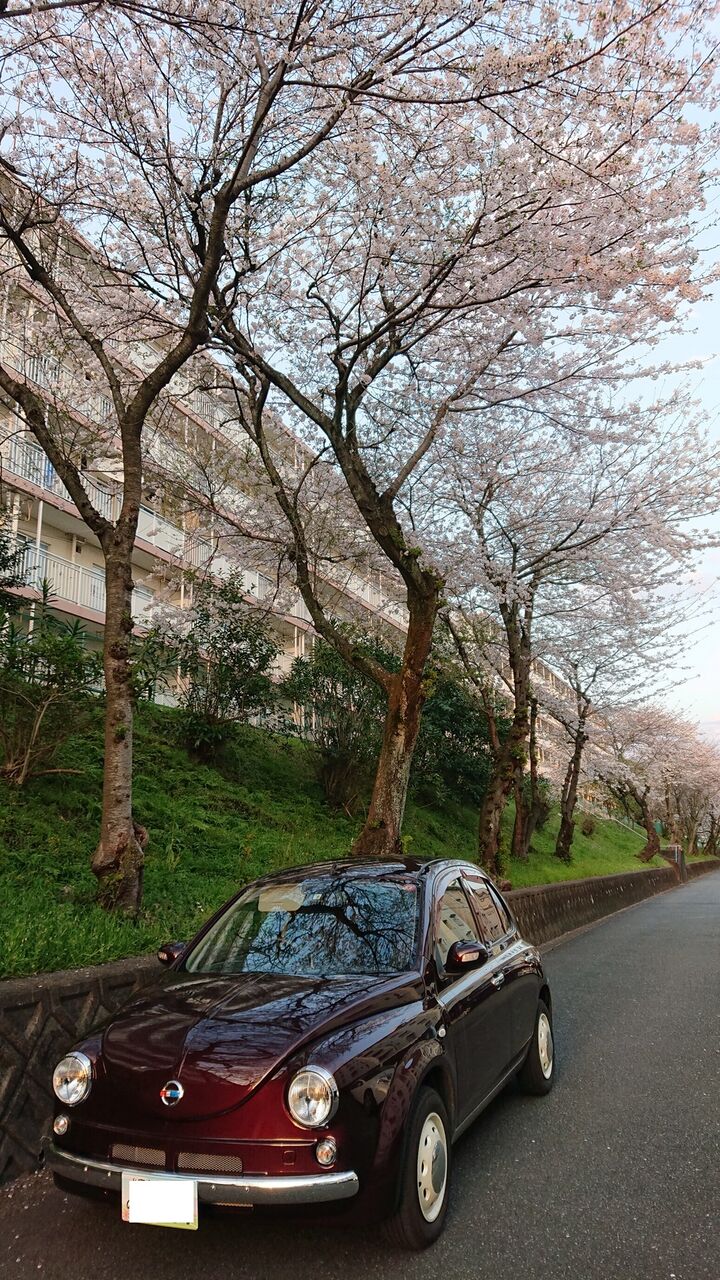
x: 366, y: 868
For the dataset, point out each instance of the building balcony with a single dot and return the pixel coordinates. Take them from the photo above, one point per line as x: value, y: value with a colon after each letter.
x: 24, y: 459
x: 28, y: 462
x: 70, y: 583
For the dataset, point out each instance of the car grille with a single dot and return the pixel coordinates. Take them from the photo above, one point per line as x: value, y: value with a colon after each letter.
x: 199, y: 1162
x: 149, y: 1157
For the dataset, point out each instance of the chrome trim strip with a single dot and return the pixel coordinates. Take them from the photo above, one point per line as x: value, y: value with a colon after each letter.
x: 305, y: 1189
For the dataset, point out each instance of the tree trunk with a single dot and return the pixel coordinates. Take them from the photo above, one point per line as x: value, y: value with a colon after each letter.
x: 381, y: 835
x: 568, y: 797
x: 118, y: 859
x: 529, y: 815
x: 653, y: 840
x: 509, y: 758
x: 520, y: 843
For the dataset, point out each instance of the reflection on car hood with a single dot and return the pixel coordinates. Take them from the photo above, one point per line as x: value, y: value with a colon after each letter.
x: 221, y: 1036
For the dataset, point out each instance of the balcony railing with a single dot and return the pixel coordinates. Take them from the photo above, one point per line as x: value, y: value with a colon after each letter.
x: 29, y: 462
x: 73, y: 582
x: 22, y: 458
x: 26, y: 460
x: 159, y: 532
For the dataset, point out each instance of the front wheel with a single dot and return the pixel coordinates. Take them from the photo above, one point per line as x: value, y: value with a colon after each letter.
x: 425, y: 1176
x: 538, y: 1070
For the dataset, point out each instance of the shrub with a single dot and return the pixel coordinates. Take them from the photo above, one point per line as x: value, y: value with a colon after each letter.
x: 588, y: 826
x: 452, y: 757
x: 344, y: 713
x: 46, y: 675
x: 225, y: 654
x: 10, y: 577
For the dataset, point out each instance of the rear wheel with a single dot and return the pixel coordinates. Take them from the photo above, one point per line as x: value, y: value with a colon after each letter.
x: 425, y: 1176
x: 538, y: 1071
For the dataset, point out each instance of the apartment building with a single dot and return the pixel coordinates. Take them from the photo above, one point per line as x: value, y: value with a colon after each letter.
x: 173, y: 540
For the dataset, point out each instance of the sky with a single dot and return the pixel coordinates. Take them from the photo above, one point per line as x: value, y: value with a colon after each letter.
x: 698, y: 694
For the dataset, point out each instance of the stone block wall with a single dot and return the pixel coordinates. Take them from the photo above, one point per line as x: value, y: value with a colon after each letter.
x: 546, y: 911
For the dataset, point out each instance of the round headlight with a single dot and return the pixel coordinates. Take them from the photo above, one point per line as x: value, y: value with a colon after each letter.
x: 312, y: 1097
x: 72, y: 1078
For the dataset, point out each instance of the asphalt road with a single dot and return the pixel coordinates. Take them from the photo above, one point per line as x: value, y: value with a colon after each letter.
x: 616, y: 1175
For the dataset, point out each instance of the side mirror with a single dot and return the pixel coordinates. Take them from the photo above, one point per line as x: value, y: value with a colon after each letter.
x: 170, y: 952
x: 465, y: 955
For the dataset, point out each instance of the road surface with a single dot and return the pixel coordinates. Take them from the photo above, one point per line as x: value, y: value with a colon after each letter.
x: 616, y: 1175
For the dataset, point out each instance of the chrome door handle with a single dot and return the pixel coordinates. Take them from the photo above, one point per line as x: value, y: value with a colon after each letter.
x: 498, y: 979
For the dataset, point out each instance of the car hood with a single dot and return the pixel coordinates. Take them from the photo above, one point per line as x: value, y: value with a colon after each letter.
x: 220, y: 1037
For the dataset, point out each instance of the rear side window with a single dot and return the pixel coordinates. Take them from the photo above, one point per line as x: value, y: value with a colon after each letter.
x: 493, y: 925
x: 454, y: 922
x: 502, y: 909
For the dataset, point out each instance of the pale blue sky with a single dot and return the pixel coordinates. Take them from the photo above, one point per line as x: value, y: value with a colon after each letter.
x: 699, y: 696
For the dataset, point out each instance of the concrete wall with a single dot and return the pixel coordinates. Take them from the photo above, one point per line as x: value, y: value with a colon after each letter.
x: 42, y: 1016
x: 546, y: 911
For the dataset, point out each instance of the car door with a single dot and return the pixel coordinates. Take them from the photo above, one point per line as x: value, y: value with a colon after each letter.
x: 519, y: 979
x: 473, y: 1003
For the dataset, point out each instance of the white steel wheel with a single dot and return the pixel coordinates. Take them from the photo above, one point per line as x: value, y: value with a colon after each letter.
x: 432, y: 1167
x: 537, y: 1073
x: 545, y: 1044
x: 425, y: 1176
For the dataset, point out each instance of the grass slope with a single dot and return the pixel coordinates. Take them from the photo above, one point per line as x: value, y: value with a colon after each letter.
x: 210, y: 831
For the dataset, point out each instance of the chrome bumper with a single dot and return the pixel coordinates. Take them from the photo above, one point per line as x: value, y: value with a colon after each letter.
x: 306, y: 1189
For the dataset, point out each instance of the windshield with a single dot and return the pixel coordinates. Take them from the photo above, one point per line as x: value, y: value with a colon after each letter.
x: 330, y: 925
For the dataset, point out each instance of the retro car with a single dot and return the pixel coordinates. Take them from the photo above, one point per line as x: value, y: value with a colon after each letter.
x: 321, y: 1042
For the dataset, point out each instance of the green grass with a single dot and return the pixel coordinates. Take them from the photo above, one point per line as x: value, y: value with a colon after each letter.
x: 611, y: 848
x: 210, y: 832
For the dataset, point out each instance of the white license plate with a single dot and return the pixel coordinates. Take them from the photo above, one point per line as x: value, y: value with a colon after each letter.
x: 160, y: 1202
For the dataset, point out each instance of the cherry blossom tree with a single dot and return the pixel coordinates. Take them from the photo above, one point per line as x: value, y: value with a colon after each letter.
x: 521, y: 230
x: 382, y: 221
x: 549, y: 536
x: 618, y: 647
x: 690, y: 781
x: 136, y: 153
x: 658, y: 765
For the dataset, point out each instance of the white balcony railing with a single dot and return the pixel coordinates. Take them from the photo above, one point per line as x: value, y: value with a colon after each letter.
x: 22, y: 458
x: 29, y: 462
x: 74, y: 583
x: 26, y: 460
x: 159, y: 532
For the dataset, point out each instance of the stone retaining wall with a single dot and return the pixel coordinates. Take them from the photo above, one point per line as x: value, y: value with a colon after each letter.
x: 41, y: 1016
x: 546, y: 911
x: 699, y: 868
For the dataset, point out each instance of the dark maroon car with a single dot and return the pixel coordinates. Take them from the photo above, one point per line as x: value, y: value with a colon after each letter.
x: 322, y: 1041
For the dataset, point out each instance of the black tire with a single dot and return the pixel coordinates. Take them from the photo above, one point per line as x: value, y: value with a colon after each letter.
x: 410, y: 1227
x: 537, y: 1074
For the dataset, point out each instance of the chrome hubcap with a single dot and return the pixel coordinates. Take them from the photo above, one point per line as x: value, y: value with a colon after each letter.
x: 545, y: 1045
x: 432, y: 1167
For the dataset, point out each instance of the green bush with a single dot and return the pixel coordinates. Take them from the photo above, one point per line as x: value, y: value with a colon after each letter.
x: 46, y: 676
x: 344, y: 714
x: 225, y: 654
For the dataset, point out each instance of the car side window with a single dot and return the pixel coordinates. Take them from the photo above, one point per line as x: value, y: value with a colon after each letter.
x: 493, y: 925
x: 454, y: 922
x: 502, y: 909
